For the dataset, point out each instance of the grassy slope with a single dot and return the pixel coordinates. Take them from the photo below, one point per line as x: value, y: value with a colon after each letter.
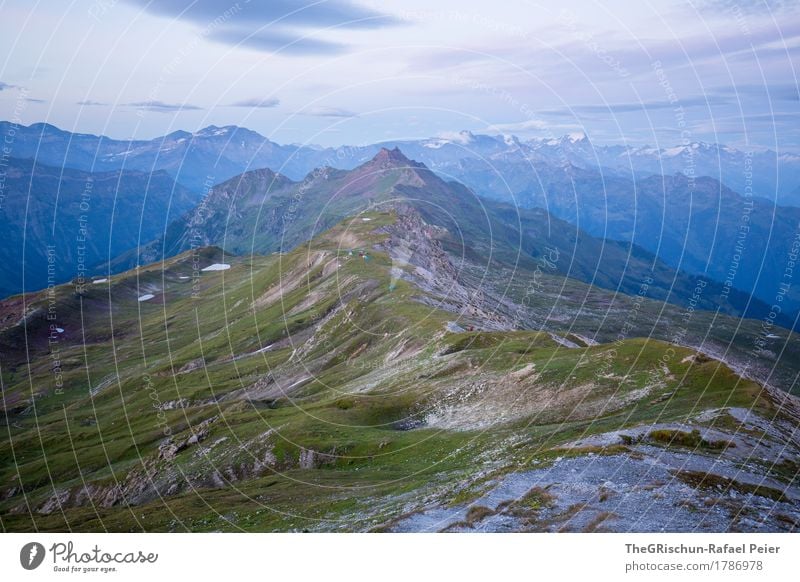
x: 379, y: 363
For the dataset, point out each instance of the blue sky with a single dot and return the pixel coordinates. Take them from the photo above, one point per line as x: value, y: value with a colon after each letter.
x: 333, y: 72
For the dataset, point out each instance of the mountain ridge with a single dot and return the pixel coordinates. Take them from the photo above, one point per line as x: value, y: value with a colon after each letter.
x: 248, y: 215
x: 342, y: 392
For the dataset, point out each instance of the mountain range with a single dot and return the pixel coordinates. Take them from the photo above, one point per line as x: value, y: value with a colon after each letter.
x: 384, y: 348
x: 693, y: 224
x: 219, y: 153
x: 263, y: 212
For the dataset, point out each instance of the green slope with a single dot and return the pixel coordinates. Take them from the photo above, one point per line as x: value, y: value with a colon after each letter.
x: 316, y: 389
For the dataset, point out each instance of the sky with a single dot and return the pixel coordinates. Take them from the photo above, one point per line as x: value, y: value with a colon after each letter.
x: 332, y: 72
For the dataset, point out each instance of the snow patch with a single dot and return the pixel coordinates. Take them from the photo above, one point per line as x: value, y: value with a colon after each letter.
x: 146, y: 297
x: 217, y: 267
x: 676, y: 151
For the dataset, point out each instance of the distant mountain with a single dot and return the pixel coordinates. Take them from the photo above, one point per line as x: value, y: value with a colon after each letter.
x: 762, y: 173
x: 196, y: 160
x: 214, y: 154
x: 698, y: 225
x: 59, y: 223
x: 264, y: 212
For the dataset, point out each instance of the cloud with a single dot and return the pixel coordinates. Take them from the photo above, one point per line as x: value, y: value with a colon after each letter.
x: 775, y: 92
x: 34, y: 100
x: 263, y: 103
x: 460, y: 137
x: 756, y: 43
x: 161, y: 107
x: 644, y: 106
x: 277, y: 25
x: 273, y: 41
x: 90, y: 103
x: 521, y: 126
x: 4, y: 86
x: 319, y: 111
x: 758, y: 7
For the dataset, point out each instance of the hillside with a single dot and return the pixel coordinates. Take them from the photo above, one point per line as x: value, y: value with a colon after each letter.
x: 696, y: 225
x: 59, y: 223
x: 264, y: 212
x: 366, y: 382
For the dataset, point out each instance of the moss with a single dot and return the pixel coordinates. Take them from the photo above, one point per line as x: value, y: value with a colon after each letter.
x: 534, y: 500
x: 597, y: 521
x: 701, y: 480
x: 478, y: 513
x: 344, y: 403
x: 787, y: 469
x: 467, y: 495
x: 691, y: 440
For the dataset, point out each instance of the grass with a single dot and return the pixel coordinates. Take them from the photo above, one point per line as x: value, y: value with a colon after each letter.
x: 597, y: 521
x: 692, y: 440
x: 699, y: 479
x: 350, y: 415
x: 478, y: 513
x: 534, y: 500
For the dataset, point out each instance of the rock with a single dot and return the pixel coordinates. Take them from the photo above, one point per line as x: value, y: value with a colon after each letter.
x: 55, y: 502
x: 307, y: 459
x: 169, y: 450
x: 192, y: 365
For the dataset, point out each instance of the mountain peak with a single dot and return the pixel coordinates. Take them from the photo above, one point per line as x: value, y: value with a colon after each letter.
x: 213, y: 130
x: 392, y: 155
x: 393, y: 158
x: 575, y: 137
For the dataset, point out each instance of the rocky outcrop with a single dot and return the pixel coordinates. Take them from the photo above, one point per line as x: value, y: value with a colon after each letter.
x: 418, y: 257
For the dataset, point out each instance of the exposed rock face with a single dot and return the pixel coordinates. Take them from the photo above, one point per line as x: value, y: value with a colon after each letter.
x: 647, y: 486
x: 418, y: 257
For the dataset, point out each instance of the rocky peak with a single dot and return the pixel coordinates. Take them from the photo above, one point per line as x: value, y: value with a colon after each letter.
x: 393, y: 157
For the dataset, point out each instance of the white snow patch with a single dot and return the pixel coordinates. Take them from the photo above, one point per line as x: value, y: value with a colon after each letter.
x: 146, y: 297
x: 97, y: 281
x: 366, y: 219
x: 217, y: 267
